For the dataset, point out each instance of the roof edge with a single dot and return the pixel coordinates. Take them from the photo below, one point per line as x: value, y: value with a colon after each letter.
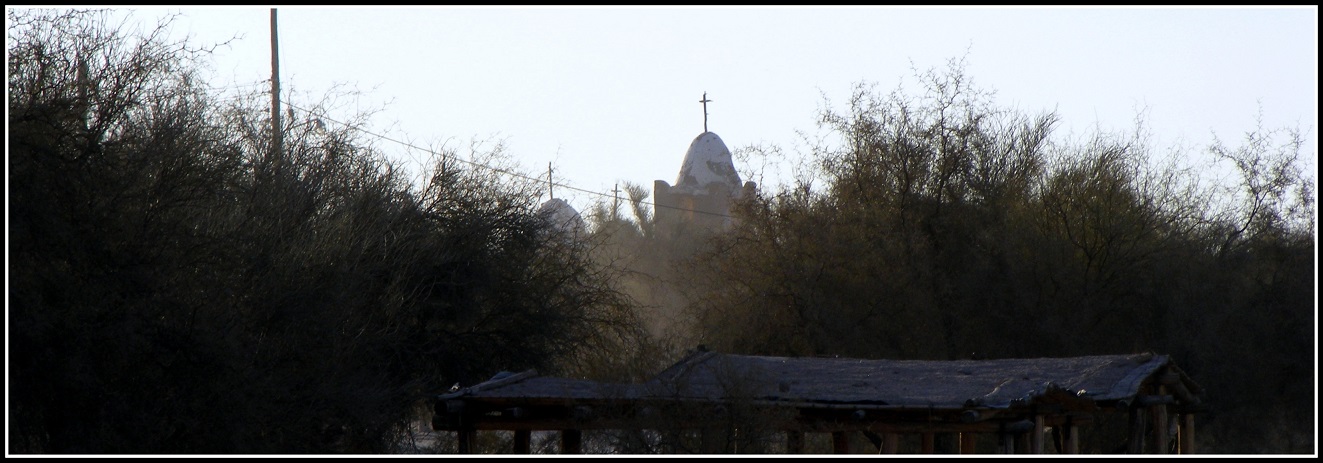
x: 1129, y: 385
x: 493, y: 383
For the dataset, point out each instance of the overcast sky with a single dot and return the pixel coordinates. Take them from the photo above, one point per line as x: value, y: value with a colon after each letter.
x: 610, y: 95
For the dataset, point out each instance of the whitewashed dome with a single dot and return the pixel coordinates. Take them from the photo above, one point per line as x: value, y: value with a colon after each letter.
x: 562, y: 215
x: 707, y: 162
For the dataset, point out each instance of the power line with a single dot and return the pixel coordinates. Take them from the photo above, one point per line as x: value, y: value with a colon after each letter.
x: 498, y: 169
x: 259, y: 94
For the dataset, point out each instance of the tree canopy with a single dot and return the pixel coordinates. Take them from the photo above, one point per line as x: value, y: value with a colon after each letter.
x: 176, y: 285
x: 176, y: 288
x: 941, y: 226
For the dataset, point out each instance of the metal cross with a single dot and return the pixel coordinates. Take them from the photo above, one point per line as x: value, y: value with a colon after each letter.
x: 705, y: 102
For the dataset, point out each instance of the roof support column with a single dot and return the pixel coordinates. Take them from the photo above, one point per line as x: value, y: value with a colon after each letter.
x: 890, y: 443
x: 1160, y: 427
x: 1022, y: 444
x: 1187, y: 433
x: 926, y: 444
x: 571, y: 441
x: 1037, y: 437
x: 1136, y: 431
x: 465, y: 440
x: 840, y: 442
x: 523, y: 441
x: 967, y: 443
x: 1072, y: 435
x: 794, y: 442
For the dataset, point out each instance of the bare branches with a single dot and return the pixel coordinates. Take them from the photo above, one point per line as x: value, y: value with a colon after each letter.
x: 1272, y: 194
x: 168, y: 280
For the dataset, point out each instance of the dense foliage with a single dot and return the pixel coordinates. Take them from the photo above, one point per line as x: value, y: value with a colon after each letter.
x: 940, y: 226
x: 177, y: 287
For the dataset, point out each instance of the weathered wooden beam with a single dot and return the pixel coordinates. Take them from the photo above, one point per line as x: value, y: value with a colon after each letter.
x: 455, y: 406
x: 794, y: 442
x: 1007, y: 443
x: 1136, y: 443
x: 891, y: 443
x: 827, y: 425
x: 1172, y: 380
x: 840, y: 442
x: 711, y: 440
x: 1019, y: 427
x: 1169, y: 377
x: 1037, y: 437
x: 875, y: 439
x: 1160, y: 436
x: 1123, y: 405
x: 1154, y: 400
x: 1072, y: 435
x: 1187, y: 434
x: 967, y: 443
x: 1022, y: 443
x: 464, y: 440
x: 523, y: 440
x: 571, y: 442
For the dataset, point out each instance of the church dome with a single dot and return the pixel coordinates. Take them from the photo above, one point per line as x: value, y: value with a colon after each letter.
x: 707, y: 162
x: 562, y: 216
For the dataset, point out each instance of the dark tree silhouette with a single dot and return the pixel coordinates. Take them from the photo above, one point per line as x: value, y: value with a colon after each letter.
x: 172, y: 291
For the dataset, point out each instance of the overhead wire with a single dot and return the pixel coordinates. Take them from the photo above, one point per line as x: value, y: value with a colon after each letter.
x: 494, y: 168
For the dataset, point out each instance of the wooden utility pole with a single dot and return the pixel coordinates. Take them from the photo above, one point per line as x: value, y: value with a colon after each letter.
x: 615, y: 202
x: 276, y: 135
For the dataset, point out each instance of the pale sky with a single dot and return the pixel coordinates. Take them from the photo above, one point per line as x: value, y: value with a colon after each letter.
x: 610, y: 95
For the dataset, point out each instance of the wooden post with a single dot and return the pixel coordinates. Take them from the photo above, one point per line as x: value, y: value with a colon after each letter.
x: 1136, y: 431
x: 840, y: 442
x: 464, y: 438
x: 890, y: 443
x: 571, y: 442
x: 1160, y: 424
x: 794, y: 442
x: 1187, y: 433
x: 1072, y: 438
x: 712, y: 440
x: 523, y: 441
x: 967, y: 440
x: 1037, y: 438
x: 276, y: 133
x: 1022, y: 444
x: 1007, y: 443
x: 926, y: 445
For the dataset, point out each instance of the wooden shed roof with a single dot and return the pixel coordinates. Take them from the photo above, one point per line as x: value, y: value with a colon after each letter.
x: 1017, y: 399
x: 814, y: 382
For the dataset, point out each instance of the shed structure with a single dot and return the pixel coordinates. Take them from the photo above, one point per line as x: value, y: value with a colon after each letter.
x: 988, y: 406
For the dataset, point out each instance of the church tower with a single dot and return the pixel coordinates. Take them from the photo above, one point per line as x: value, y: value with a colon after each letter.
x: 701, y: 197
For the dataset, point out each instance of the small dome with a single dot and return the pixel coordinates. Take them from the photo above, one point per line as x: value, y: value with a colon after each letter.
x: 562, y: 215
x: 708, y: 161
